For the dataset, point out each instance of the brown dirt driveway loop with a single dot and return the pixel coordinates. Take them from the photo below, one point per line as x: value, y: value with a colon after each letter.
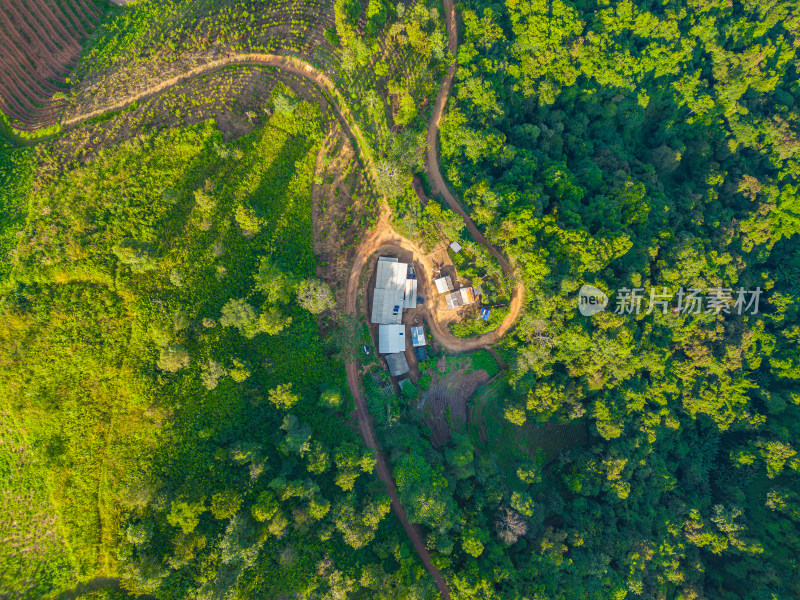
x: 381, y: 235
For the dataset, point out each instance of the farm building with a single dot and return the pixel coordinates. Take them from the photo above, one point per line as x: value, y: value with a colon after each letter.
x: 387, y: 307
x: 460, y: 297
x: 444, y: 284
x: 389, y: 296
x: 418, y: 336
x: 398, y: 365
x: 455, y: 247
x: 391, y: 339
x: 410, y: 299
x: 392, y: 274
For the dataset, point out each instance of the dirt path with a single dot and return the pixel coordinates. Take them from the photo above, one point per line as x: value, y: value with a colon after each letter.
x: 382, y: 235
x: 285, y: 63
x: 438, y: 185
x: 375, y: 239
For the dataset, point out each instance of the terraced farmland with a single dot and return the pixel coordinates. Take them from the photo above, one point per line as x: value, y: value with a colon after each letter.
x: 40, y: 43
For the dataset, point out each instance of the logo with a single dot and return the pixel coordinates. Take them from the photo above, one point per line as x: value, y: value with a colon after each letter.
x: 591, y: 300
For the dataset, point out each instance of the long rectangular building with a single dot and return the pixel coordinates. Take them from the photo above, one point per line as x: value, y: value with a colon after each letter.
x: 389, y: 295
x: 410, y: 299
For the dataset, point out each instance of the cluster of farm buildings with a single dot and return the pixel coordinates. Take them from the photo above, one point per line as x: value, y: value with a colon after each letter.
x: 396, y: 290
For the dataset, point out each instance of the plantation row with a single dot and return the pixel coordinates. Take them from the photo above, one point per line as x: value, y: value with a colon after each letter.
x: 39, y: 46
x: 159, y: 39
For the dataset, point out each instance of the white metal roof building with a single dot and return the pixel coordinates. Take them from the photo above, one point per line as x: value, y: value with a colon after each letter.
x: 444, y: 284
x: 391, y: 274
x: 387, y: 306
x: 455, y: 247
x: 418, y: 336
x: 389, y: 295
x: 410, y: 300
x: 391, y: 339
x: 460, y: 298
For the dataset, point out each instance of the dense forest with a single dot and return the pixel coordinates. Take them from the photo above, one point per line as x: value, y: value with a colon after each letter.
x: 174, y: 407
x: 653, y: 146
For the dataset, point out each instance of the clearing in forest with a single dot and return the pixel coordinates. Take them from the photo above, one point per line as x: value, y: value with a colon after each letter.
x: 445, y: 399
x: 491, y: 430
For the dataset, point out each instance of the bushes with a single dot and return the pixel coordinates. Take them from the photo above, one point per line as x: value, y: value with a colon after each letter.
x: 173, y: 358
x: 242, y: 316
x: 315, y: 296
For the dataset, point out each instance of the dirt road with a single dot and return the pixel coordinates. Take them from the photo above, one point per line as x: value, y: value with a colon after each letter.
x: 287, y: 63
x: 299, y: 67
x: 382, y: 235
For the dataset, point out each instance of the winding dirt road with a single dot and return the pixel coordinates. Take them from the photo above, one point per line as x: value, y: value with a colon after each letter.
x: 382, y: 235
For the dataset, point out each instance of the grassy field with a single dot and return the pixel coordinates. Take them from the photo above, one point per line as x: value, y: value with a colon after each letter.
x: 80, y: 330
x: 489, y: 430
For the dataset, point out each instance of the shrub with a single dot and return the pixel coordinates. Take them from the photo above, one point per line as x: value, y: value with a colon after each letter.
x: 282, y: 396
x: 265, y: 507
x: 211, y: 373
x: 247, y: 219
x: 225, y: 504
x: 185, y: 514
x: 239, y: 371
x: 331, y: 397
x: 139, y: 256
x: 315, y: 295
x: 173, y: 358
x: 239, y: 314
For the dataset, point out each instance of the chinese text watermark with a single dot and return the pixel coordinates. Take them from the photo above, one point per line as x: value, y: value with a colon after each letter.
x: 716, y: 300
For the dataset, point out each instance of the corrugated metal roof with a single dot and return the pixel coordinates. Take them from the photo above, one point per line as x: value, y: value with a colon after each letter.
x: 391, y: 275
x: 387, y: 306
x: 410, y: 300
x: 454, y: 300
x: 391, y: 338
x: 460, y: 298
x: 444, y: 284
x: 389, y: 296
x: 418, y: 336
x: 398, y: 365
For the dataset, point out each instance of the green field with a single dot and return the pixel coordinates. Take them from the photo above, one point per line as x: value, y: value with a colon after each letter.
x: 127, y: 263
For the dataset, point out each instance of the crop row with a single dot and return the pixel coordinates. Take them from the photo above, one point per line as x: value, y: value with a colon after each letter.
x: 39, y: 46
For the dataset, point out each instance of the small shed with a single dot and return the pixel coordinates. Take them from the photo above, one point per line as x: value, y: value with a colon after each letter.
x: 460, y: 297
x: 455, y: 247
x: 444, y: 284
x: 418, y: 336
x: 485, y: 312
x: 420, y: 353
x: 397, y: 363
x: 391, y: 338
